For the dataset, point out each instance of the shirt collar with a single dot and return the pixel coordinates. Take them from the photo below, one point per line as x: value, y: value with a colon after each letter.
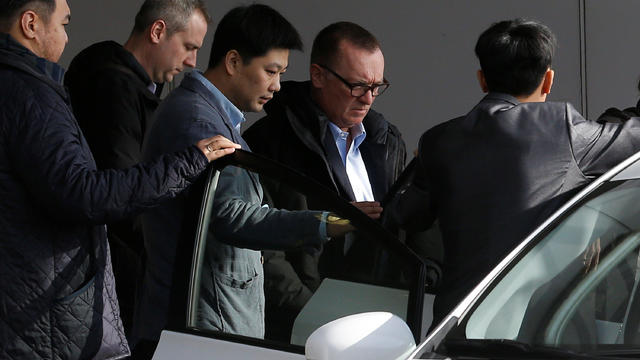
x: 235, y: 115
x: 152, y: 87
x: 357, y: 133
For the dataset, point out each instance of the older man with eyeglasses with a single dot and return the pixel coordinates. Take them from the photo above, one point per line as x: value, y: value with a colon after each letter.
x: 326, y: 129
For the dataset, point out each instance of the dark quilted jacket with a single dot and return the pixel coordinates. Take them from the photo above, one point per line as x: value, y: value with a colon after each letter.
x: 57, y: 295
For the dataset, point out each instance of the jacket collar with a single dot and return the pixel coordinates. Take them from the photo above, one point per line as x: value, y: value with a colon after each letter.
x: 235, y: 116
x: 110, y: 53
x: 192, y: 84
x: 14, y: 54
x: 493, y: 96
x: 129, y: 60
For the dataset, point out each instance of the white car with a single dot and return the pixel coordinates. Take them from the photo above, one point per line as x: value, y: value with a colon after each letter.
x: 567, y: 291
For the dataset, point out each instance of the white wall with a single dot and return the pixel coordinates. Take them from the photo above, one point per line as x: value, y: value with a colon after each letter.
x: 428, y: 47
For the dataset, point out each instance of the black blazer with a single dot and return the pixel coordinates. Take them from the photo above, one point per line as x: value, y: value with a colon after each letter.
x: 492, y: 176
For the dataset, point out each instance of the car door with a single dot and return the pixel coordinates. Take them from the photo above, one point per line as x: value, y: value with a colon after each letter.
x: 373, y: 272
x: 570, y: 290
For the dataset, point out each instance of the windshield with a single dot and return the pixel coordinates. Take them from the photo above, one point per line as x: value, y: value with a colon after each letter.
x: 575, y: 288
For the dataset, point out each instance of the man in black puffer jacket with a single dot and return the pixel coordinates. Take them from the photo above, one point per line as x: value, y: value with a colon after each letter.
x: 326, y: 129
x: 57, y: 293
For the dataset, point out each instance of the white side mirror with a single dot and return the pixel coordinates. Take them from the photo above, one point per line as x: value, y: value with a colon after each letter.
x: 373, y: 335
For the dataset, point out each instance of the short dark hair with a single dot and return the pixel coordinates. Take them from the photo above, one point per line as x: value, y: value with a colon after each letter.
x: 252, y: 31
x: 325, y: 45
x: 514, y: 55
x: 11, y: 9
x: 175, y: 13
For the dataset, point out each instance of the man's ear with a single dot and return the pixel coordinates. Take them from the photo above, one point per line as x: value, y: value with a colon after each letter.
x: 157, y: 31
x: 482, y: 81
x: 29, y: 24
x: 317, y: 76
x: 547, y: 82
x: 232, y: 62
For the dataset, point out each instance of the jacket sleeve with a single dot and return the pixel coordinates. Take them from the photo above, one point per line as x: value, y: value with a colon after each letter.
x: 400, y: 150
x: 413, y: 208
x: 598, y: 146
x: 239, y: 218
x: 54, y: 161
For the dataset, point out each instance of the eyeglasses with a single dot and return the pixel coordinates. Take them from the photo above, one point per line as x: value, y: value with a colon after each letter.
x: 358, y: 90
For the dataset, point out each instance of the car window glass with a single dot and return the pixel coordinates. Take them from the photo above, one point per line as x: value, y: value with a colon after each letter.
x: 560, y: 293
x: 240, y: 271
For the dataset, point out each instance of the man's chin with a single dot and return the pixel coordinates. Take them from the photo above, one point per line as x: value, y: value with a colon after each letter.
x: 168, y: 77
x: 257, y: 107
x: 356, y: 120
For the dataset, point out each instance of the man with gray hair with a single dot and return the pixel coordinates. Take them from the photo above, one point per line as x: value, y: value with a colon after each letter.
x: 326, y: 129
x: 114, y: 91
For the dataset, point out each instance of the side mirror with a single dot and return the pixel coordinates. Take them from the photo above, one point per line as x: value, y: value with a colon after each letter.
x: 373, y: 335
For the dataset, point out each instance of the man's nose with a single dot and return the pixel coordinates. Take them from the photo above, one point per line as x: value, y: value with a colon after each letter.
x: 275, y: 84
x: 367, y: 98
x: 191, y: 59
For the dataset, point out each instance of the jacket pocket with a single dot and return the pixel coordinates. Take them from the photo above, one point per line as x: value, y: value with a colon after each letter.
x: 81, y: 290
x: 75, y: 326
x: 237, y: 281
x: 233, y: 303
x: 241, y: 302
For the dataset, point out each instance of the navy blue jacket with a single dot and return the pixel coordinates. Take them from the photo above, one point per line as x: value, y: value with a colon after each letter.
x: 57, y: 294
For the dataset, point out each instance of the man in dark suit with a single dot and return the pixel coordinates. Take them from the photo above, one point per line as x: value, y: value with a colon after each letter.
x: 114, y: 94
x: 326, y: 129
x: 492, y: 176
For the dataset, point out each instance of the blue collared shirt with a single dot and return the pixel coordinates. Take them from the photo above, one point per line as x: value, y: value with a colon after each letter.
x: 352, y: 160
x: 235, y: 115
x: 152, y: 87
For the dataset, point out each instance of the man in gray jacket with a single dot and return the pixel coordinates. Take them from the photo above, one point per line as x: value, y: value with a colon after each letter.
x: 250, y: 52
x: 492, y: 176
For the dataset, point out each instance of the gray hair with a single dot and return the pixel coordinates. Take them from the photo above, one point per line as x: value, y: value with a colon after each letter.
x: 175, y: 13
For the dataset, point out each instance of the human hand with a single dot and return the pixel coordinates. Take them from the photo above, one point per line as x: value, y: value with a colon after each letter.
x: 216, y: 147
x: 370, y: 208
x: 337, y: 226
x: 591, y: 256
